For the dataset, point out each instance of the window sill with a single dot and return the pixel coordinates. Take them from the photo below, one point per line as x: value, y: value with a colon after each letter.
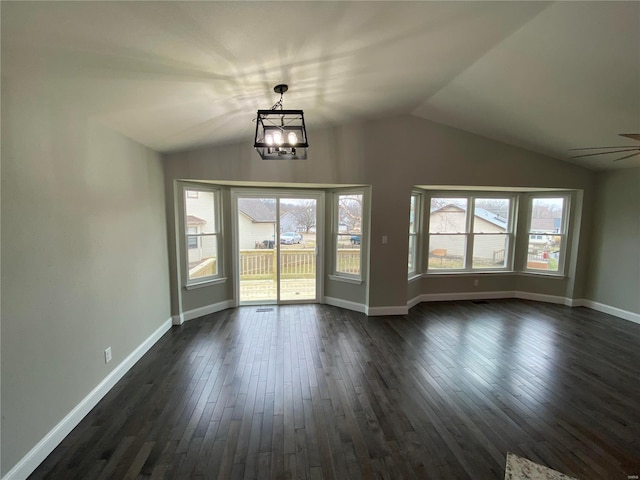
x: 206, y: 283
x: 337, y: 278
x: 557, y: 276
x: 414, y: 277
x: 469, y: 274
x: 528, y: 273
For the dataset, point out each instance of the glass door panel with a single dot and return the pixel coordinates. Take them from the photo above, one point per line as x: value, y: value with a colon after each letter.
x: 298, y: 248
x: 258, y: 270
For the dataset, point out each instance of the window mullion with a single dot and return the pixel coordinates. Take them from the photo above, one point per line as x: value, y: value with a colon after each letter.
x: 471, y: 202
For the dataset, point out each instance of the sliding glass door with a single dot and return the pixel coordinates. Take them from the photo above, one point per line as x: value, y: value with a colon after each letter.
x: 278, y: 242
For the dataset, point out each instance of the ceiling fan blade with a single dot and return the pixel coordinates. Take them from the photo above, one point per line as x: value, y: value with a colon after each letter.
x: 602, y: 148
x: 635, y: 136
x: 626, y: 156
x: 607, y: 153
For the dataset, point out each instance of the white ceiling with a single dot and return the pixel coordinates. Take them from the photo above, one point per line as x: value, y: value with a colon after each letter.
x: 176, y: 75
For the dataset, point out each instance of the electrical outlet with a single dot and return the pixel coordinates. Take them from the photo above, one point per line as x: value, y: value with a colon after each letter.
x: 107, y: 355
x: 476, y: 282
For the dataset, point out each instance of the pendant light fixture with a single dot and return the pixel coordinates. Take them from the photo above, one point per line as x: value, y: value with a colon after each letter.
x: 281, y: 134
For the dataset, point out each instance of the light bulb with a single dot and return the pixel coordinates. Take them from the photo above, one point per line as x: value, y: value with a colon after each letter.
x: 277, y: 137
x: 293, y: 138
x: 268, y: 139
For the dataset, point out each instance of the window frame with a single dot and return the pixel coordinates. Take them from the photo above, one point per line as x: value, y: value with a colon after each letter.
x: 469, y: 235
x: 415, y: 234
x: 216, y: 234
x: 564, y: 233
x: 336, y: 234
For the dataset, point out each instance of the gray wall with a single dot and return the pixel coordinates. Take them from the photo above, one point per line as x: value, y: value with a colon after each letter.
x: 84, y: 259
x: 392, y: 155
x: 614, y: 273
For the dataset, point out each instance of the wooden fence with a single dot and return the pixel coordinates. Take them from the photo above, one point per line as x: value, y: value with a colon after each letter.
x: 294, y: 263
x: 203, y: 269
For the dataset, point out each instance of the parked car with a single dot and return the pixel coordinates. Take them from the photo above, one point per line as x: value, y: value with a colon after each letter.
x: 355, y: 239
x: 289, y: 238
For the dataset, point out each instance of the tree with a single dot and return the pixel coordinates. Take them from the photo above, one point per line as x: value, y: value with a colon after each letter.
x: 350, y: 211
x: 305, y: 213
x: 499, y: 206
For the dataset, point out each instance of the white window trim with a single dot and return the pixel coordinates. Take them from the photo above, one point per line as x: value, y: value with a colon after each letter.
x: 564, y: 234
x: 417, y: 234
x: 345, y: 279
x: 279, y: 193
x: 205, y: 283
x: 335, y: 232
x: 219, y: 277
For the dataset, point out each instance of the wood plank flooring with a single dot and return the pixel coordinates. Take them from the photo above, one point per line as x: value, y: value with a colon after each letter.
x: 317, y: 392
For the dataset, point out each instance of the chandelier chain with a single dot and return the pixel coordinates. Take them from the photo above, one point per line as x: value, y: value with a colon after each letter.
x: 277, y: 104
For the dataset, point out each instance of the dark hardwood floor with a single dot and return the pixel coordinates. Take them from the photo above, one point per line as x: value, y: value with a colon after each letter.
x: 311, y: 391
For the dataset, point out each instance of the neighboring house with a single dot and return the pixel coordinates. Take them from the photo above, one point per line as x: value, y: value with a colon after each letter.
x: 546, y: 225
x: 288, y: 222
x: 201, y: 220
x: 256, y: 222
x: 194, y: 226
x: 452, y: 219
x: 541, y: 237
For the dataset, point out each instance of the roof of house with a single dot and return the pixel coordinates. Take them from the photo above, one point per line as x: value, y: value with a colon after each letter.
x: 491, y: 217
x: 257, y: 210
x: 482, y: 213
x: 546, y: 224
x: 193, y: 220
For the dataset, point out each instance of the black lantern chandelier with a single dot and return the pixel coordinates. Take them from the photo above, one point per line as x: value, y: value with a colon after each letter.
x: 281, y: 134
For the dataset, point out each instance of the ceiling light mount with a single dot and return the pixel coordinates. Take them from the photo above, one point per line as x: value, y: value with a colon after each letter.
x: 282, y: 88
x: 281, y: 134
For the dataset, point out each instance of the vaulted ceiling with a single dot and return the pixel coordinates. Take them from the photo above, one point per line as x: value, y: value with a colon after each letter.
x: 548, y: 77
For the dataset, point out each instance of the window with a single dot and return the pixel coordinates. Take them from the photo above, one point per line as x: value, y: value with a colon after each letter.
x: 202, y: 234
x: 192, y: 241
x: 470, y: 233
x: 547, y: 233
x: 414, y: 228
x: 348, y: 234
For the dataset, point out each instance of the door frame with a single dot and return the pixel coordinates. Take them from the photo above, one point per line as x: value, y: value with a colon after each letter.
x: 278, y: 194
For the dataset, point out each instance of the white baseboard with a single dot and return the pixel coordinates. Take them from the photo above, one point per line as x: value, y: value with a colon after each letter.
x: 51, y: 440
x: 369, y: 311
x: 415, y: 301
x: 576, y: 302
x: 447, y: 297
x: 177, y: 319
x: 608, y: 309
x: 541, y: 297
x: 202, y: 311
x: 382, y: 311
x: 338, y: 302
x: 538, y: 297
